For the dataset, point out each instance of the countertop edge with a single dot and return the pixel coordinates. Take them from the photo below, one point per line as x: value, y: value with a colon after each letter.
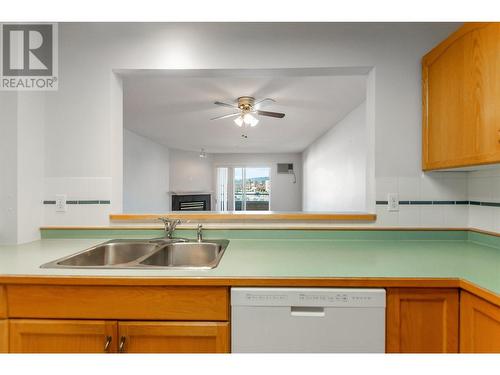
x: 386, y: 282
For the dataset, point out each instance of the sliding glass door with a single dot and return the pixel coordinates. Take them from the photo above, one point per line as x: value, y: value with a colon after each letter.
x: 252, y: 188
x: 243, y: 188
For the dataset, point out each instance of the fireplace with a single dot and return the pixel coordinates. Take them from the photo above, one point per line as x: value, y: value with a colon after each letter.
x: 191, y: 202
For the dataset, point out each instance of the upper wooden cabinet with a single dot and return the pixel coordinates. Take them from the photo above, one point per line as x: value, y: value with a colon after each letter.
x: 461, y: 99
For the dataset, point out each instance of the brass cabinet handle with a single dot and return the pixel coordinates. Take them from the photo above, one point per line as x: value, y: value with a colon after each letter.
x: 107, y: 343
x: 121, y: 345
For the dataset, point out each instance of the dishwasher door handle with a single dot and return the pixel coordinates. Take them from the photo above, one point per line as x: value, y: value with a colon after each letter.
x: 311, y: 311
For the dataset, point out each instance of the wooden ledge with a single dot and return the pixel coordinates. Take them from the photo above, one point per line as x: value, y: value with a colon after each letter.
x: 248, y: 216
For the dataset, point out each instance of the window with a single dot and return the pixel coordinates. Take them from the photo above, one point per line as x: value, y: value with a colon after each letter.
x: 249, y: 189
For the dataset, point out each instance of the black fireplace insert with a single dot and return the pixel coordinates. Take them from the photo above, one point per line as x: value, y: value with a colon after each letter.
x: 191, y: 202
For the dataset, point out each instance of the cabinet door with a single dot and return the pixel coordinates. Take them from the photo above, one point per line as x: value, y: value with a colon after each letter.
x: 461, y: 91
x: 4, y: 336
x: 422, y: 320
x: 486, y: 54
x: 479, y: 325
x: 173, y: 337
x: 62, y: 336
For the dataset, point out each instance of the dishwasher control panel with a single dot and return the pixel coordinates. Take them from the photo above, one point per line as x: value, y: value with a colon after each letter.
x: 308, y: 297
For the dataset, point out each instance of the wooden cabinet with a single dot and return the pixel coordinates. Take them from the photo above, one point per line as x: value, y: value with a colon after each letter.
x: 118, y: 302
x: 98, y: 319
x: 460, y: 99
x: 62, y: 336
x: 174, y: 337
x: 101, y: 336
x: 4, y: 336
x: 196, y: 320
x: 422, y: 320
x: 479, y: 325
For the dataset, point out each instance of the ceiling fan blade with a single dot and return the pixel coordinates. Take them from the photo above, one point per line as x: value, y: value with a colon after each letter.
x: 226, y: 116
x: 263, y: 103
x: 225, y: 104
x: 271, y: 114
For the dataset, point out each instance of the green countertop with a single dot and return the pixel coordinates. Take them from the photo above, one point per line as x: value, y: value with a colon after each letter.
x: 472, y: 257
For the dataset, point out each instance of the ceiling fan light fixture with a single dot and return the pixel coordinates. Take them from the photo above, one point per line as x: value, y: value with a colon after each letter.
x: 203, y: 154
x: 239, y: 121
x: 248, y: 119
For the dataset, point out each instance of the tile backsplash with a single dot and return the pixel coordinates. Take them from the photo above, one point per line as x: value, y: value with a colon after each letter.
x: 87, y: 200
x: 431, y: 200
x: 484, y: 186
x: 442, y: 199
x: 437, y: 199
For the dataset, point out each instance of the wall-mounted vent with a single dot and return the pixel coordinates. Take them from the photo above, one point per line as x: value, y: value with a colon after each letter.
x: 285, y: 168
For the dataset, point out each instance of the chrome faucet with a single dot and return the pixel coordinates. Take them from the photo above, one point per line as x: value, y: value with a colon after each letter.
x: 170, y: 225
x: 199, y: 233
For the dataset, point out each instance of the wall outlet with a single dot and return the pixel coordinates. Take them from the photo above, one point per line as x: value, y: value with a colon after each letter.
x: 392, y: 202
x: 61, y: 203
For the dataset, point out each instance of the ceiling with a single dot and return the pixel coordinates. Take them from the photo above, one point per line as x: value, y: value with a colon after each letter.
x: 175, y: 110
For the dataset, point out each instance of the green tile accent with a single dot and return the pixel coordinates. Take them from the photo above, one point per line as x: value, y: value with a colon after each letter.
x: 98, y: 233
x: 345, y: 235
x: 484, y: 239
x: 490, y: 204
x: 81, y: 202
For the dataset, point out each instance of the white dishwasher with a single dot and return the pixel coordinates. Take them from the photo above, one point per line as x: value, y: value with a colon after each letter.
x: 307, y: 320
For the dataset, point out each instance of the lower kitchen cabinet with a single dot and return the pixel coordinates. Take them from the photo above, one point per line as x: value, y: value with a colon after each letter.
x: 103, y: 336
x: 4, y: 336
x: 62, y: 336
x: 422, y: 320
x: 173, y: 337
x: 479, y: 325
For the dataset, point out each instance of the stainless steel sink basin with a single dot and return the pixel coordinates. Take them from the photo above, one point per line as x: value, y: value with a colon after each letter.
x: 188, y: 255
x: 143, y: 254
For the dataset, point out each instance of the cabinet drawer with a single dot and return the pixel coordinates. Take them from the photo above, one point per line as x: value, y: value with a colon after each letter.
x: 116, y: 302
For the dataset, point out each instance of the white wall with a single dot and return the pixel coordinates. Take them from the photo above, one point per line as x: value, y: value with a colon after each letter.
x: 484, y: 186
x: 30, y: 176
x: 21, y: 166
x: 81, y: 111
x: 145, y: 160
x: 285, y: 195
x: 82, y: 139
x: 145, y: 175
x: 189, y: 173
x: 8, y: 167
x: 335, y: 166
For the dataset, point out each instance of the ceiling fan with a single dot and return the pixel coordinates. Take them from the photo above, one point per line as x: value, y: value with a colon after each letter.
x: 246, y: 108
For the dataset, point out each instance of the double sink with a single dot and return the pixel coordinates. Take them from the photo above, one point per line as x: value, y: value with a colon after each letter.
x: 147, y: 254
